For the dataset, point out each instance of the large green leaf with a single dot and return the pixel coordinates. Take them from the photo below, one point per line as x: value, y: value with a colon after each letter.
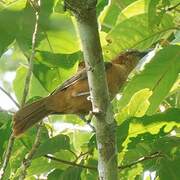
x: 39, y: 166
x: 167, y: 154
x: 53, y: 145
x: 137, y: 106
x: 147, y: 124
x: 52, y: 69
x: 135, y: 33
x: 27, y: 24
x: 152, y: 124
x: 156, y: 12
x: 9, y: 19
x: 60, y: 35
x: 36, y: 88
x: 136, y: 8
x: 159, y: 76
x: 111, y: 12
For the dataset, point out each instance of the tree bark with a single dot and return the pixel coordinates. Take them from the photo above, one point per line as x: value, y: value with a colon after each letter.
x: 85, y: 13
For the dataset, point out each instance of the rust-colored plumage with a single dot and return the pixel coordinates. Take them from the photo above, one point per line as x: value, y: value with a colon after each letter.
x: 71, y: 96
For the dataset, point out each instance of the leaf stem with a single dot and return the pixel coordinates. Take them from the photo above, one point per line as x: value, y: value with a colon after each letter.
x: 140, y: 160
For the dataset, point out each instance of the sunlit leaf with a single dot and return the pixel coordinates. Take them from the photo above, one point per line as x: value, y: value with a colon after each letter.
x: 60, y: 35
x: 159, y: 76
x: 137, y: 106
x: 134, y: 33
x: 136, y: 8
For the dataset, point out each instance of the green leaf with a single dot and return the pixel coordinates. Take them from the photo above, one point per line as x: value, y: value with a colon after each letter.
x: 135, y: 33
x: 100, y: 6
x: 9, y: 19
x: 18, y: 153
x: 159, y: 76
x: 156, y: 11
x: 52, y: 69
x: 5, y: 131
x: 109, y: 16
x: 39, y: 166
x: 169, y: 118
x: 36, y: 88
x: 110, y: 13
x: 72, y: 173
x: 137, y: 106
x: 81, y: 140
x: 152, y: 127
x: 27, y: 24
x: 134, y: 9
x: 53, y: 145
x: 56, y: 174
x: 4, y: 117
x: 60, y: 35
x: 166, y: 165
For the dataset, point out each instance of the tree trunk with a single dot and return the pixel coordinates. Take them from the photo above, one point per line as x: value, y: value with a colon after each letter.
x: 85, y: 12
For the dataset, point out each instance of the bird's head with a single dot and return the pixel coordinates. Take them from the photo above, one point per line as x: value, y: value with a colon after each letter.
x: 129, y: 58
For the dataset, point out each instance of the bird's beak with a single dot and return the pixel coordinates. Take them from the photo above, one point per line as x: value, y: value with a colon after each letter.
x: 144, y: 53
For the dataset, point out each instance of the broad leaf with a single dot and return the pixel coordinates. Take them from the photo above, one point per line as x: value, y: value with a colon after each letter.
x: 9, y: 20
x: 36, y: 88
x: 52, y: 69
x: 134, y: 33
x: 53, y: 145
x: 159, y: 76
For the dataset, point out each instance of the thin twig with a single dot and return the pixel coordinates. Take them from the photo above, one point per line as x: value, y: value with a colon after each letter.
x: 69, y: 162
x: 81, y: 155
x: 7, y: 156
x: 10, y: 97
x: 73, y: 153
x: 27, y: 161
x: 173, y: 7
x: 140, y: 160
x: 29, y: 73
x: 10, y: 142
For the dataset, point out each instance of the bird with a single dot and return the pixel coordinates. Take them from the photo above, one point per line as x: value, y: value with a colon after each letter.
x: 71, y: 97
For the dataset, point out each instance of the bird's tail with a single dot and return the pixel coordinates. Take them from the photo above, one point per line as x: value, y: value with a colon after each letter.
x: 29, y: 115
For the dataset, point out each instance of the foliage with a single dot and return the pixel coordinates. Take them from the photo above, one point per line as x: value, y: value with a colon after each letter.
x: 147, y: 113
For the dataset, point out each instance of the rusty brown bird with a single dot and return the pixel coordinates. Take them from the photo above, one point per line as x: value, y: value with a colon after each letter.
x: 71, y: 96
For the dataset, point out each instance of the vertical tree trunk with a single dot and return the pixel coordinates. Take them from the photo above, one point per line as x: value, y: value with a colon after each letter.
x: 85, y: 12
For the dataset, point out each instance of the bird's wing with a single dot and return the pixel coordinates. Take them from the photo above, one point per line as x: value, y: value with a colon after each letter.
x: 78, y: 76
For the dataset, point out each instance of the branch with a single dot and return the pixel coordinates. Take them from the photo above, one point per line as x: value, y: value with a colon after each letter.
x: 27, y: 160
x: 10, y: 97
x: 10, y: 142
x: 172, y: 7
x: 140, y: 160
x: 7, y: 156
x: 85, y: 13
x: 70, y: 163
x: 35, y: 5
